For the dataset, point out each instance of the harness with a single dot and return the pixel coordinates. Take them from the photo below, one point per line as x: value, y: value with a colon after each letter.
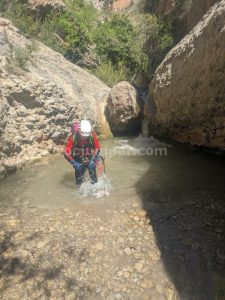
x: 82, y: 150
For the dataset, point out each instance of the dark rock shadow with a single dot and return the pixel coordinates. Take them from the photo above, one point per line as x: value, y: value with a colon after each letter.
x: 187, y: 215
x: 11, y: 262
x: 53, y: 272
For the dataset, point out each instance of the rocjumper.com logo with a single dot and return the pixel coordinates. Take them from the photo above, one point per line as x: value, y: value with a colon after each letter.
x: 130, y: 151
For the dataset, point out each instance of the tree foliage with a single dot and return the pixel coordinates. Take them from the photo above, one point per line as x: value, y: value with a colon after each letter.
x: 122, y: 46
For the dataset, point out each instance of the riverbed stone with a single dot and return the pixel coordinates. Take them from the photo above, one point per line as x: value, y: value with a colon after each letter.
x: 99, y: 246
x: 10, y: 165
x: 128, y: 251
x: 21, y: 253
x: 126, y: 274
x: 139, y: 267
x: 12, y: 222
x: 41, y: 244
x: 62, y: 254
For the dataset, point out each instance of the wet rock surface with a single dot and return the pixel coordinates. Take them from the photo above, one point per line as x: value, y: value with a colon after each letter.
x: 170, y: 249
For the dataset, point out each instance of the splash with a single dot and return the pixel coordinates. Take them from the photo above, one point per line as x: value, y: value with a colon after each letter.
x: 141, y: 141
x: 125, y: 147
x: 97, y: 191
x: 137, y: 143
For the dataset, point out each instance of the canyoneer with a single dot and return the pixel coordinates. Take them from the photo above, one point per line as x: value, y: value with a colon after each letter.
x: 82, y: 151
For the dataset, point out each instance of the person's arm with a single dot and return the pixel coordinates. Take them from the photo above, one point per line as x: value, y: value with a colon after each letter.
x: 68, y: 149
x: 96, y: 143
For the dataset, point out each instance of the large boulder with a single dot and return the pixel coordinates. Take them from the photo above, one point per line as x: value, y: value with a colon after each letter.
x: 41, y: 93
x: 187, y: 94
x: 123, y: 108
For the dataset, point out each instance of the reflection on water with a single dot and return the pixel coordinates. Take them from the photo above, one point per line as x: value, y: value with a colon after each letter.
x: 53, y: 184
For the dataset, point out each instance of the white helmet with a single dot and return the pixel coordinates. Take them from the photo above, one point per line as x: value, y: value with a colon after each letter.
x: 85, y: 128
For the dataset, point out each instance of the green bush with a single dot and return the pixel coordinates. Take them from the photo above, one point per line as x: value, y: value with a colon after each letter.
x: 112, y: 40
x: 125, y: 46
x: 110, y: 74
x: 20, y: 15
x: 155, y: 38
x: 49, y: 37
x: 115, y: 41
x: 20, y: 56
x: 74, y: 26
x: 179, y: 4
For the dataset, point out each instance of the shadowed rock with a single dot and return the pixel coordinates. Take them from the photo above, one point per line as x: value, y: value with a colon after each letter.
x: 186, y: 101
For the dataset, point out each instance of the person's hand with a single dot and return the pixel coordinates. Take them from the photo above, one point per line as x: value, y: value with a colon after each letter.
x: 92, y: 163
x: 77, y: 166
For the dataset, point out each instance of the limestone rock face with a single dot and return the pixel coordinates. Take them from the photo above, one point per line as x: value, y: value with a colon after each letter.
x: 53, y: 3
x: 118, y: 5
x: 122, y: 4
x: 123, y: 107
x: 38, y: 104
x: 185, y: 15
x: 164, y: 7
x: 187, y: 94
x: 43, y: 7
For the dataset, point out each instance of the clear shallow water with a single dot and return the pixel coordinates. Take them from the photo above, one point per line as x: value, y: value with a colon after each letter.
x: 129, y: 172
x: 182, y: 193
